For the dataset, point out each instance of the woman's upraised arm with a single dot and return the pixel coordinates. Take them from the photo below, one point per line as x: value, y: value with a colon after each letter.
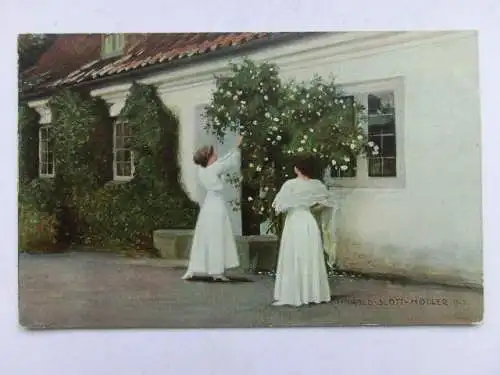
x: 230, y: 160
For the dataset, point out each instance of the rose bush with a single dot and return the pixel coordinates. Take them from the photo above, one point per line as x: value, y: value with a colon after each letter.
x: 280, y: 119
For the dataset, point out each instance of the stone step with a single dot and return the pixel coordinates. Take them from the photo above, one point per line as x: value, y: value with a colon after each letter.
x: 255, y: 251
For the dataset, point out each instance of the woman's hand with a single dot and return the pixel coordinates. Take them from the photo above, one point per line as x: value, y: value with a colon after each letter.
x: 239, y: 141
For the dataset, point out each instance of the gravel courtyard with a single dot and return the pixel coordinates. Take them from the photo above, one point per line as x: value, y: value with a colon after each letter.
x: 98, y: 290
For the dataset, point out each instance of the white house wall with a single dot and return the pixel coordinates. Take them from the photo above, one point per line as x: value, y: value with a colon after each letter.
x: 425, y: 223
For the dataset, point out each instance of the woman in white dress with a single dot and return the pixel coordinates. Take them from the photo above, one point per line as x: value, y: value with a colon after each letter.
x: 213, y: 249
x: 301, y: 275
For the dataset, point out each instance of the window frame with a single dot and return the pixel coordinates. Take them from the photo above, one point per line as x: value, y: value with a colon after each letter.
x: 116, y: 177
x: 107, y: 50
x: 40, y: 159
x: 362, y: 179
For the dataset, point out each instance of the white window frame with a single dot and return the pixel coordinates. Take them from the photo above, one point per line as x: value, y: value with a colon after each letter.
x: 40, y: 164
x: 361, y: 91
x: 116, y: 177
x: 108, y: 49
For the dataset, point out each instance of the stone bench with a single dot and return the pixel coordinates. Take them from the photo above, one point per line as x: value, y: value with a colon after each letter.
x: 256, y: 252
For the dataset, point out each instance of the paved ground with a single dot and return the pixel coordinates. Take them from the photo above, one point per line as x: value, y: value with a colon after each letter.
x: 82, y: 290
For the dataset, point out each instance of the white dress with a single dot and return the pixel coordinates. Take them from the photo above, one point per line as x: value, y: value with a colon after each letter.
x: 213, y: 249
x: 301, y: 275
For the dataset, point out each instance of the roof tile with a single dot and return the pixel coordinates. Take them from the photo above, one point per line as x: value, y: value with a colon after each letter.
x: 75, y: 58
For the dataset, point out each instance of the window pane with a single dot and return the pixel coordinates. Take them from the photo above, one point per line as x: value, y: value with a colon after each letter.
x: 119, y: 142
x: 127, y: 155
x: 50, y: 168
x: 375, y: 167
x: 389, y: 167
x: 381, y: 124
x: 126, y: 129
x: 126, y: 142
x: 119, y: 129
x: 123, y: 156
x: 381, y: 103
x: 127, y: 169
x: 119, y: 169
x: 388, y: 146
x: 382, y: 167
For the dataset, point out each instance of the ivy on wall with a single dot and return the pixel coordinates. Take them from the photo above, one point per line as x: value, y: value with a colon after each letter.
x: 28, y: 143
x: 84, y: 204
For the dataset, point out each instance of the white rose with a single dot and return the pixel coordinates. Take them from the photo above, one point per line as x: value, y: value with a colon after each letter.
x: 267, y: 114
x: 265, y: 97
x: 235, y: 97
x: 347, y: 159
x: 243, y: 102
x: 250, y: 165
x: 239, y: 92
x: 266, y: 188
x: 302, y: 142
x: 371, y: 144
x: 278, y: 138
x: 276, y: 119
x: 228, y: 93
x: 375, y: 153
x: 353, y: 146
x: 250, y: 199
x: 343, y: 167
x: 303, y: 101
x: 334, y: 162
x: 315, y: 150
x: 376, y: 148
x: 305, y: 136
x: 360, y: 137
x: 254, y: 122
x: 311, y: 130
x: 268, y: 139
x: 259, y: 168
x: 300, y: 149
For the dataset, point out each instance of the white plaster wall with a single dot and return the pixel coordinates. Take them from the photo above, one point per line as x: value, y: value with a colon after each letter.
x: 428, y: 225
x: 432, y: 224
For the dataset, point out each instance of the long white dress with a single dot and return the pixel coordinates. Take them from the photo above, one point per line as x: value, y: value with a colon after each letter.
x: 301, y: 275
x: 213, y: 249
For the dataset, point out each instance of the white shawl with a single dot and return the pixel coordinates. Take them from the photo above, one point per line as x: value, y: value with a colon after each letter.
x: 308, y: 193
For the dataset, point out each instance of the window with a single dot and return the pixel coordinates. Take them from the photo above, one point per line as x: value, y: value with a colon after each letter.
x: 382, y: 118
x: 123, y: 159
x: 112, y: 45
x: 381, y: 123
x: 46, y: 151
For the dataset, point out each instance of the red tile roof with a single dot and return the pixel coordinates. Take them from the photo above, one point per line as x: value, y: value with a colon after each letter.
x: 76, y: 58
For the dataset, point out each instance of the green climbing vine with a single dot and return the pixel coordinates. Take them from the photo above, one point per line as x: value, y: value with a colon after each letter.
x: 84, y: 203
